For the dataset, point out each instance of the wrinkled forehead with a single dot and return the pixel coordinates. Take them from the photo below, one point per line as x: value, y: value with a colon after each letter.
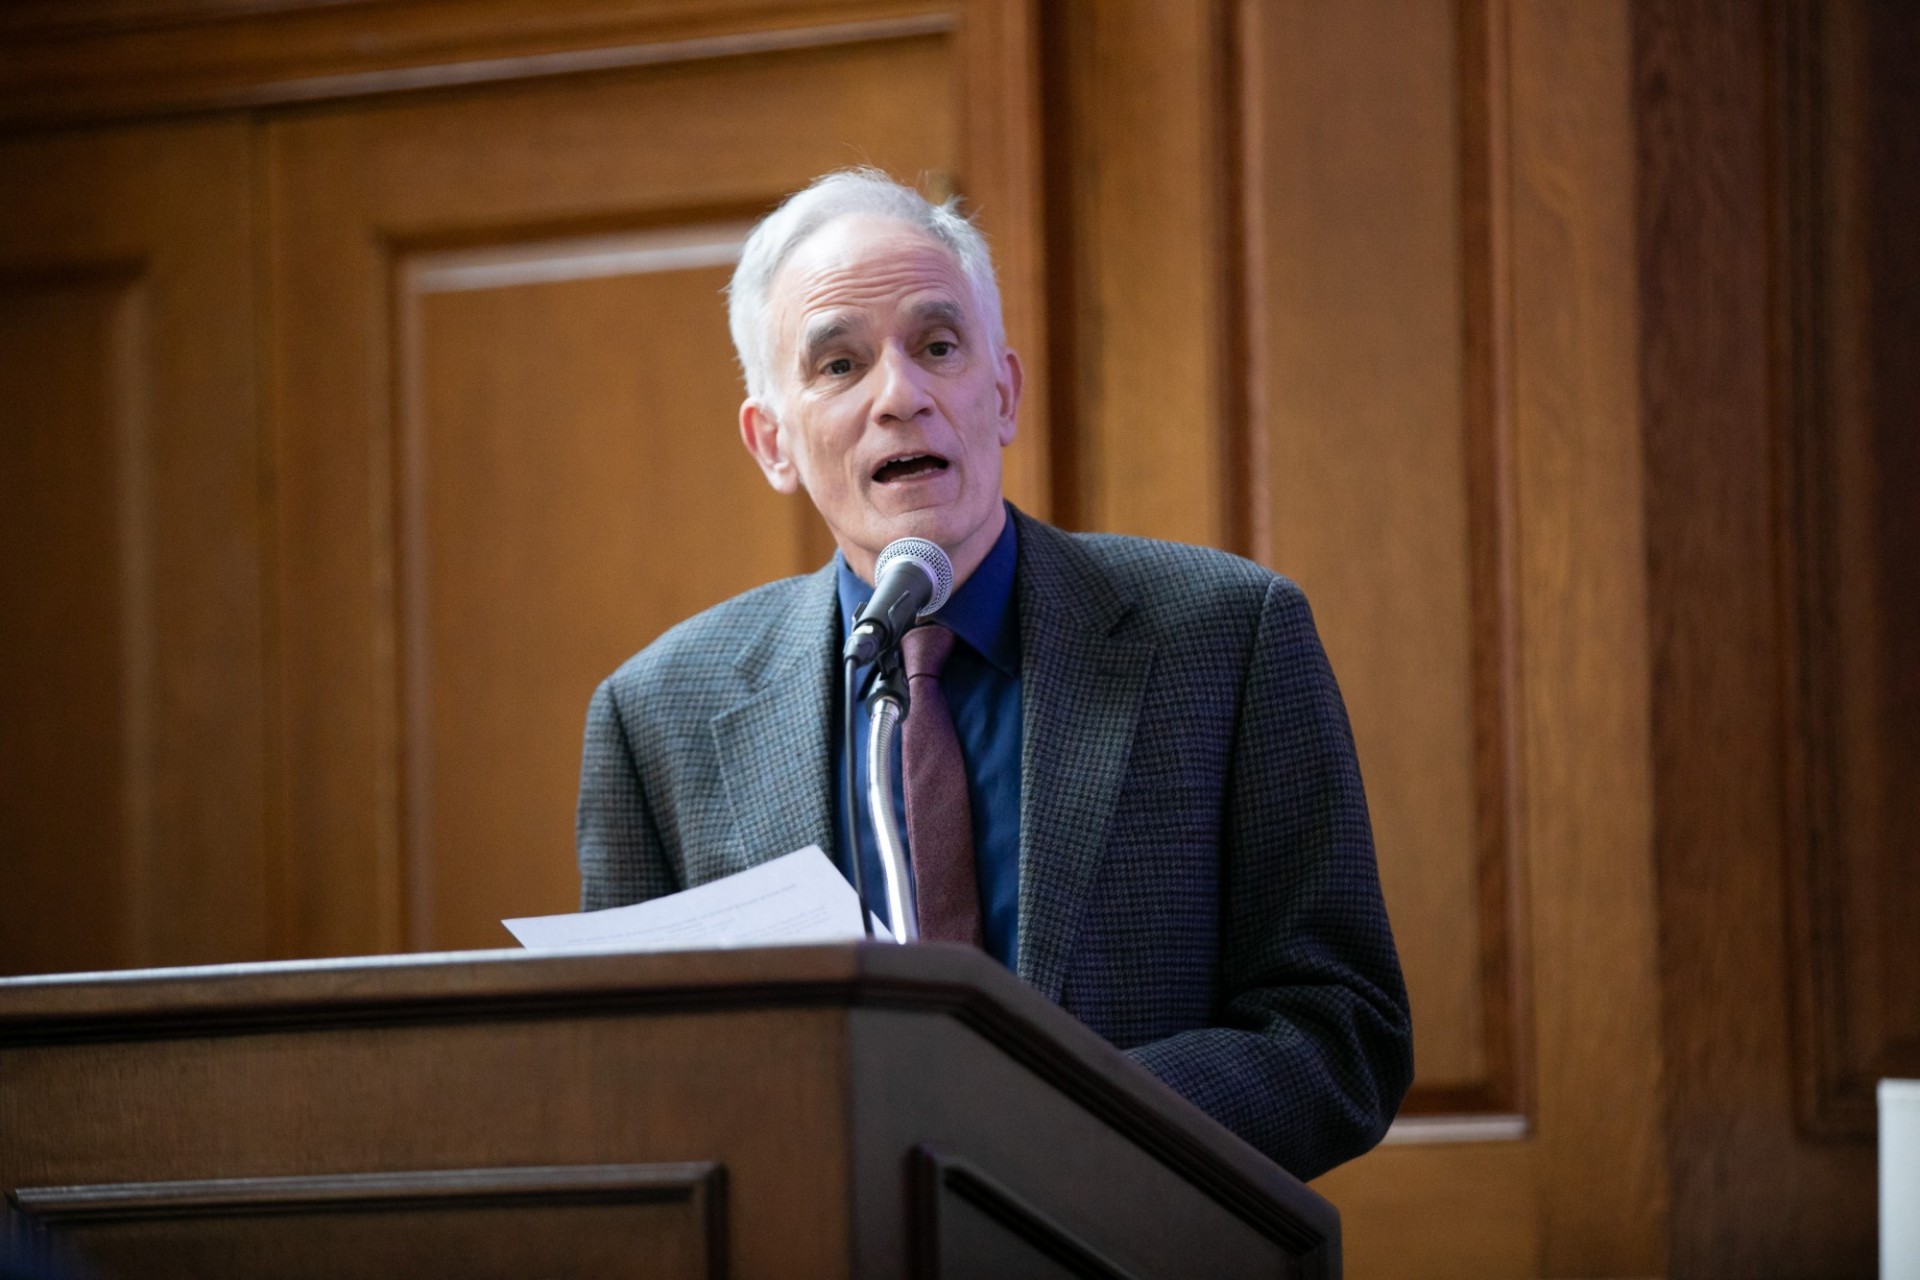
x: 865, y: 264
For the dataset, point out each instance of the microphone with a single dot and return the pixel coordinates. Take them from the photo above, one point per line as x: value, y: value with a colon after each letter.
x: 912, y: 578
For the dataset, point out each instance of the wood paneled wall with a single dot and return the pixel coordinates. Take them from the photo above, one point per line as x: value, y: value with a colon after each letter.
x: 365, y: 397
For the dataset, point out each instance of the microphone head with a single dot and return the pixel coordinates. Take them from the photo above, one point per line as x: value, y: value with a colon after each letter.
x: 929, y: 558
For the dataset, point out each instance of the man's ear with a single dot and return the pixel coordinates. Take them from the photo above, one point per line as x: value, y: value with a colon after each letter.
x: 1007, y: 386
x: 760, y: 432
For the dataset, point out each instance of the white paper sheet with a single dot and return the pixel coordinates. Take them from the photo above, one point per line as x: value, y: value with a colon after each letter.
x: 799, y: 898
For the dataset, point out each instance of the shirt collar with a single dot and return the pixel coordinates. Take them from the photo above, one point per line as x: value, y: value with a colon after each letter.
x: 980, y: 612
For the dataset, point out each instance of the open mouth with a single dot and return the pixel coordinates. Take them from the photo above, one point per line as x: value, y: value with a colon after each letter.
x: 909, y: 467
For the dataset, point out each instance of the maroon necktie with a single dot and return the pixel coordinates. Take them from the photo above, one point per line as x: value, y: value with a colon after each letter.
x: 939, y: 816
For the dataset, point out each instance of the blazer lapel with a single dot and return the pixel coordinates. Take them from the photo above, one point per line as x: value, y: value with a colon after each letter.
x: 1082, y: 681
x: 775, y: 745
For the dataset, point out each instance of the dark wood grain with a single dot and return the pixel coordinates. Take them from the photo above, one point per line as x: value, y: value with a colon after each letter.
x: 1758, y: 165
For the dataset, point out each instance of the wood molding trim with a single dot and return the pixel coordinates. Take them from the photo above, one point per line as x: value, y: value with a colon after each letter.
x: 1002, y: 181
x: 1487, y: 319
x: 694, y: 1181
x: 1061, y: 250
x: 121, y: 65
x: 1829, y: 1104
x: 1132, y: 187
x: 1238, y: 211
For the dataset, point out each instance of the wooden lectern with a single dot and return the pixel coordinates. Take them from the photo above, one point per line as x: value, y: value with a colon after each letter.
x: 857, y: 1110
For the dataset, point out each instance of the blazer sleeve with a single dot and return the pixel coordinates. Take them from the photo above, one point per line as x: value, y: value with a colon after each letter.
x: 1311, y: 1049
x: 622, y: 858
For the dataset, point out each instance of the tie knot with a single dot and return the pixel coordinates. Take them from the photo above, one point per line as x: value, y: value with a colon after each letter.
x: 926, y: 648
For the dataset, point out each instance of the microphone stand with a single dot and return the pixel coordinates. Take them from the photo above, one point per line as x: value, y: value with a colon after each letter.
x: 849, y: 712
x: 888, y: 700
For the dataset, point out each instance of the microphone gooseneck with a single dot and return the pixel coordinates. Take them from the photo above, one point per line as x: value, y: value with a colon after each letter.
x: 912, y: 578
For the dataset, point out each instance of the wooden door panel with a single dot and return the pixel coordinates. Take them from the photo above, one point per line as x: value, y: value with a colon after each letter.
x: 131, y: 715
x: 505, y: 413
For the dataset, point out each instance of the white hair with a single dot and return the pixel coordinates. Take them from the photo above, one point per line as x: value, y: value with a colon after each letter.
x: 837, y: 195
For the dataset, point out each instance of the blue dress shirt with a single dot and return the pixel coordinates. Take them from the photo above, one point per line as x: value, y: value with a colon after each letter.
x: 982, y: 686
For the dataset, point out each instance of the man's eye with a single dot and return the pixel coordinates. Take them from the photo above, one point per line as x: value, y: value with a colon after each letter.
x: 839, y: 368
x: 942, y: 349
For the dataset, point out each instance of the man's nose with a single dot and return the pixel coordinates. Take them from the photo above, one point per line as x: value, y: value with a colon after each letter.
x: 901, y: 394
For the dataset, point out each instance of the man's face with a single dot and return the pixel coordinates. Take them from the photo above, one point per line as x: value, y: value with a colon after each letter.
x: 893, y: 404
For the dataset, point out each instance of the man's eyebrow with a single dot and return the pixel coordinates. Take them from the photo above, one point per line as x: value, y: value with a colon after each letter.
x: 940, y: 312
x: 822, y: 334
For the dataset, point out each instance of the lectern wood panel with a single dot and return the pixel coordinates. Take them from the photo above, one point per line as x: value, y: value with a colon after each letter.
x: 585, y: 1222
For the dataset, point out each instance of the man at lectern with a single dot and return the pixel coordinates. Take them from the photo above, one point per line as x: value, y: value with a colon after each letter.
x: 1126, y: 768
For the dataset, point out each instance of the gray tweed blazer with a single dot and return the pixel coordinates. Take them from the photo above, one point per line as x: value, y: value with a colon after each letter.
x: 1197, y: 880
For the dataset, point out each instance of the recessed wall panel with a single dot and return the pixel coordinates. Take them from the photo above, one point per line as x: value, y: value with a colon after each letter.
x: 572, y: 484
